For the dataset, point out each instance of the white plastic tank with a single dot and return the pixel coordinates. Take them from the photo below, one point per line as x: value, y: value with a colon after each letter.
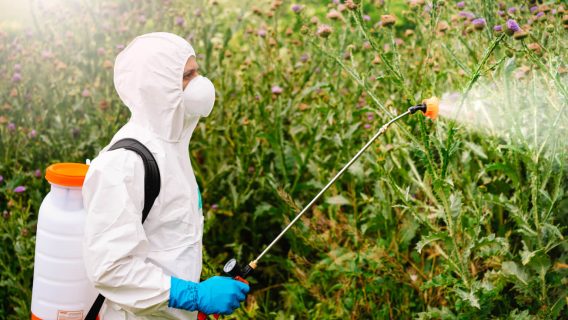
x: 61, y: 289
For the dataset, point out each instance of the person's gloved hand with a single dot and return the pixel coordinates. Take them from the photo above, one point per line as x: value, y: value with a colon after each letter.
x: 216, y: 295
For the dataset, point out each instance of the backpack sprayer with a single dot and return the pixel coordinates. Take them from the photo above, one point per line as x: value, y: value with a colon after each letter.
x: 232, y: 268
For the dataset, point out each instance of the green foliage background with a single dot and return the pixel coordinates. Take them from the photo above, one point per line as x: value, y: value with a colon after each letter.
x: 435, y: 221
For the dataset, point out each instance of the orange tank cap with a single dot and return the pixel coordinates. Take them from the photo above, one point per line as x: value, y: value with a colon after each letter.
x: 67, y: 174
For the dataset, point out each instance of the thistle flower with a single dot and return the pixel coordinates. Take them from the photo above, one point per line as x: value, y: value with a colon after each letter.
x: 32, y: 134
x: 17, y: 67
x: 388, y: 20
x: 512, y: 10
x: 535, y: 47
x: 533, y: 9
x: 333, y: 15
x: 37, y: 173
x: 214, y: 206
x: 512, y: 26
x: 366, y: 18
x: 324, y: 30
x: 276, y: 90
x: 460, y: 4
x: 17, y: 77
x: 520, y: 35
x: 350, y: 4
x: 11, y: 127
x: 540, y: 14
x: 119, y: 47
x: 180, y: 21
x: 296, y: 8
x: 1, y: 179
x: 19, y: 189
x: 367, y: 126
x: 500, y: 13
x: 479, y: 23
x: 142, y: 19
x: 466, y: 15
x: 261, y: 33
x: 498, y: 28
x: 86, y: 93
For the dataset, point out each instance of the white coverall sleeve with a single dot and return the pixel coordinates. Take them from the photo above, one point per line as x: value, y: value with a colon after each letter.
x: 115, y: 243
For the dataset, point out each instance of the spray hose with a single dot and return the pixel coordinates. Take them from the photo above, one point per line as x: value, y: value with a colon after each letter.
x: 429, y: 108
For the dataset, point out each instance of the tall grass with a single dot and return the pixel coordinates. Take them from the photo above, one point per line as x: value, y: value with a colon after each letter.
x: 436, y: 220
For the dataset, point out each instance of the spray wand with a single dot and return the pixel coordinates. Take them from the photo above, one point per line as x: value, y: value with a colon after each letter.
x: 232, y: 268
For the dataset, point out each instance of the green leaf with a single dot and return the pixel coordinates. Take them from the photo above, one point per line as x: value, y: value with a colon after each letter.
x: 429, y: 239
x: 510, y: 268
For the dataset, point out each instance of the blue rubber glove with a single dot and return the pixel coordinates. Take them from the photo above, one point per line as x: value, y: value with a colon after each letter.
x: 216, y: 295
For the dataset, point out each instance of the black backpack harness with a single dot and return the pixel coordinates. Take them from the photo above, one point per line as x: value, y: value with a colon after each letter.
x: 151, y: 191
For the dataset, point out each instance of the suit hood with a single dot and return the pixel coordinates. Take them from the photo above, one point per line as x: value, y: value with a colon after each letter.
x: 148, y: 77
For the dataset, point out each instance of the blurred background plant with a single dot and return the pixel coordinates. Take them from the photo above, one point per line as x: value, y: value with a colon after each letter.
x: 437, y: 220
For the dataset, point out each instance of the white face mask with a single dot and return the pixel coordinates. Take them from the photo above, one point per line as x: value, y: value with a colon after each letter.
x: 199, y: 97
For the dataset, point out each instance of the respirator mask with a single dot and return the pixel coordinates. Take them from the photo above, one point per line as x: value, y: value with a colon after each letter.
x: 199, y: 97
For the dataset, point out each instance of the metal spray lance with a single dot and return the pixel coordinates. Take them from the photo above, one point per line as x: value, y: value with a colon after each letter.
x: 232, y: 268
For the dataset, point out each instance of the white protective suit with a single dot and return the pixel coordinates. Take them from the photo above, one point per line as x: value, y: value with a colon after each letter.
x: 130, y: 263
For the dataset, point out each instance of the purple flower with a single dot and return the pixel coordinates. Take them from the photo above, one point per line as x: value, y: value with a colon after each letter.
x: 500, y: 13
x: 276, y: 90
x: 86, y: 93
x: 512, y: 10
x: 461, y: 4
x: 119, y: 47
x: 214, y: 206
x: 366, y: 18
x: 101, y: 51
x: 370, y: 116
x: 11, y: 126
x: 512, y: 26
x: 19, y: 189
x: 479, y: 23
x: 498, y: 28
x: 533, y: 9
x: 305, y: 57
x: 17, y: 77
x: 367, y: 126
x: 17, y: 67
x: 1, y: 179
x: 180, y: 21
x: 297, y: 8
x: 32, y: 134
x: 466, y: 14
x: 261, y: 32
x: 142, y: 19
x: 37, y: 173
x: 540, y: 14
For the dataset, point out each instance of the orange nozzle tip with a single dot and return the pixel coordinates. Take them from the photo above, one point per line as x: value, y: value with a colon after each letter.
x: 432, y: 107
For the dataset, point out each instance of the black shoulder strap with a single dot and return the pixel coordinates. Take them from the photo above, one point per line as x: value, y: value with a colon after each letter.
x: 151, y: 191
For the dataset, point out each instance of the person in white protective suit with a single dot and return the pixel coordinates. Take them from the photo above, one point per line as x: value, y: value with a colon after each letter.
x: 152, y: 271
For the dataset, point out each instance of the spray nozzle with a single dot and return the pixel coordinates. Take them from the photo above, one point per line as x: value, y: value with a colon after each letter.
x: 429, y: 107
